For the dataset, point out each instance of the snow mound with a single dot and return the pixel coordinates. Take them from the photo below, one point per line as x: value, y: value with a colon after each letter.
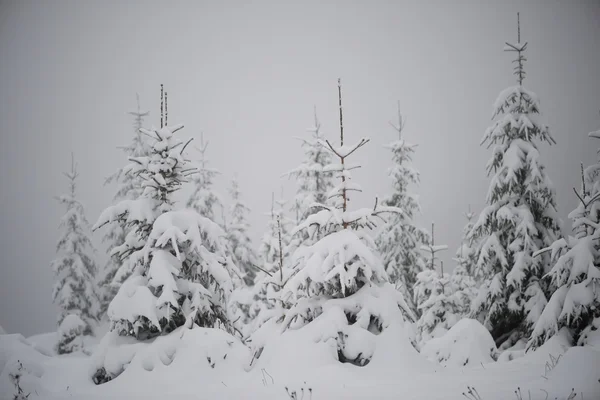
x: 44, y: 342
x: 18, y: 356
x: 467, y: 343
x: 183, y: 354
x: 578, y: 369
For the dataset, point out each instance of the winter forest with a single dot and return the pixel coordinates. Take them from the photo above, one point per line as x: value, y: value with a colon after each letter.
x: 168, y: 292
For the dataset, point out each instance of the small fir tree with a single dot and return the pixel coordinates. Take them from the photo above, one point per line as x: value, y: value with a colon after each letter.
x: 399, y: 241
x: 204, y: 200
x: 341, y: 272
x: 314, y: 181
x: 74, y: 268
x: 237, y: 235
x: 128, y: 187
x: 575, y: 305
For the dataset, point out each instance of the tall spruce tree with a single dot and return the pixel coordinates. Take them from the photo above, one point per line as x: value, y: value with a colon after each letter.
x: 204, y: 199
x: 575, y: 305
x: 237, y: 235
x: 341, y: 275
x: 520, y: 217
x: 75, y: 270
x: 128, y: 187
x: 399, y: 241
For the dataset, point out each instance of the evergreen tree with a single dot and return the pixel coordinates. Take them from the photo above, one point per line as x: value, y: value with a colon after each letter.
x: 74, y: 268
x: 274, y: 254
x: 341, y: 275
x: 438, y: 302
x: 575, y: 304
x: 462, y: 277
x: 128, y: 187
x: 237, y: 235
x: 399, y: 241
x: 204, y: 199
x: 181, y: 272
x: 314, y: 181
x: 442, y: 307
x: 519, y: 219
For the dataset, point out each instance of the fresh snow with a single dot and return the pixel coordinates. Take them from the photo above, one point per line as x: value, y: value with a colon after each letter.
x: 179, y: 365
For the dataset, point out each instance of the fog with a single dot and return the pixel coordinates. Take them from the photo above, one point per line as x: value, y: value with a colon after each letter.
x: 247, y: 75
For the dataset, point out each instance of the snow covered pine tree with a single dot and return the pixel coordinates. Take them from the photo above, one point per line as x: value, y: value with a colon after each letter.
x: 274, y: 254
x: 128, y: 187
x: 438, y: 301
x: 204, y: 199
x: 181, y: 272
x: 399, y: 241
x: 74, y: 291
x: 462, y: 279
x: 575, y: 305
x: 314, y: 182
x: 237, y: 235
x: 520, y: 217
x: 341, y: 278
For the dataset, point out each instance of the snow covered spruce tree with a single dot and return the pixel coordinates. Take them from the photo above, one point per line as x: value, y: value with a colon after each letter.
x: 128, y: 187
x: 314, y: 182
x: 181, y: 271
x: 438, y: 302
x: 399, y: 241
x: 274, y: 255
x: 339, y: 285
x: 519, y: 219
x: 237, y: 235
x: 75, y: 270
x: 462, y: 279
x: 575, y: 305
x: 204, y: 199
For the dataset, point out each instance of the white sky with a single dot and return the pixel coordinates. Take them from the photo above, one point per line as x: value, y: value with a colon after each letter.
x: 248, y: 75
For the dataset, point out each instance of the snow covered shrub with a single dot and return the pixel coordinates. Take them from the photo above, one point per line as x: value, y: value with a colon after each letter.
x: 399, y: 241
x: 181, y: 272
x: 129, y: 186
x: 15, y: 378
x: 339, y: 284
x: 466, y: 343
x: 74, y: 268
x: 576, y: 270
x: 69, y: 334
x: 519, y: 219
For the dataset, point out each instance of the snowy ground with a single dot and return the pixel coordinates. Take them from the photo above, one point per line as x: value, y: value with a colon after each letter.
x: 210, y: 364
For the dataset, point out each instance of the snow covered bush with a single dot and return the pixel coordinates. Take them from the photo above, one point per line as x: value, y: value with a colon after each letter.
x: 339, y: 282
x: 181, y: 272
x: 466, y: 343
x: 129, y: 186
x: 519, y: 219
x: 69, y: 334
x: 576, y: 270
x: 399, y: 241
x: 74, y: 268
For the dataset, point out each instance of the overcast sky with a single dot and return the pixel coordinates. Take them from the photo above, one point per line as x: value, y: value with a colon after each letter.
x: 247, y: 74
